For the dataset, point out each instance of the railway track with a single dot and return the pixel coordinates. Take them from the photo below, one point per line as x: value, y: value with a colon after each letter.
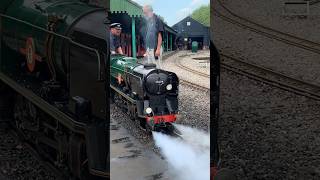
x: 267, y: 31
x: 193, y: 85
x: 314, y: 2
x: 263, y: 74
x: 270, y: 77
x: 177, y: 63
x: 8, y: 132
x: 180, y: 65
x: 33, y: 151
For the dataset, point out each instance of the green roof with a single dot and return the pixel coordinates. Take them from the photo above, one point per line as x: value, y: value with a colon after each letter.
x: 126, y: 6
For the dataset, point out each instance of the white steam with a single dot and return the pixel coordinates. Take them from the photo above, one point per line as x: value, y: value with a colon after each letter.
x: 188, y: 158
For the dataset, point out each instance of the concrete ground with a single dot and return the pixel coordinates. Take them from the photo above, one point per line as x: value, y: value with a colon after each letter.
x: 131, y: 160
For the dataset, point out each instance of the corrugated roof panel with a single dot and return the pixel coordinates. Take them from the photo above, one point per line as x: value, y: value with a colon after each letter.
x: 131, y: 8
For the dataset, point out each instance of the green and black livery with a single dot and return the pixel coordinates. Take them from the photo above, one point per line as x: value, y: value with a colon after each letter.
x: 55, y: 66
x: 148, y: 94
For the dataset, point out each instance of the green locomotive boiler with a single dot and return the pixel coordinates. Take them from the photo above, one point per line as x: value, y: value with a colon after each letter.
x: 53, y: 79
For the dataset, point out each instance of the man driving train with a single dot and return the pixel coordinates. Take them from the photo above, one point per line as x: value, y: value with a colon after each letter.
x: 115, y: 32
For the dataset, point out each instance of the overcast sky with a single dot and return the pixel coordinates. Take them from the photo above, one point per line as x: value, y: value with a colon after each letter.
x: 173, y: 10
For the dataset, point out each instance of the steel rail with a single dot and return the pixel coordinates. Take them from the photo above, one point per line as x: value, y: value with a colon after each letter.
x: 180, y: 65
x: 270, y: 77
x: 266, y: 27
x: 267, y: 31
x: 193, y: 85
x: 188, y: 83
x: 34, y: 153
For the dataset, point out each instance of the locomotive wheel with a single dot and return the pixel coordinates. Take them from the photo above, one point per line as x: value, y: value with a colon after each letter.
x: 78, y: 160
x: 2, y: 100
x: 111, y: 95
x: 148, y: 129
x: 141, y: 122
x: 1, y: 29
x: 118, y: 100
x: 171, y: 130
x: 25, y: 115
x: 133, y: 114
x: 5, y: 101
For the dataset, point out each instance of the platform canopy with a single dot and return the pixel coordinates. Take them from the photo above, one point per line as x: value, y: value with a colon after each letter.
x: 126, y: 6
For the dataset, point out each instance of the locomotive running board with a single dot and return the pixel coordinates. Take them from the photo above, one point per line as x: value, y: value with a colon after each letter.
x: 45, y: 106
x: 126, y: 96
x: 123, y: 94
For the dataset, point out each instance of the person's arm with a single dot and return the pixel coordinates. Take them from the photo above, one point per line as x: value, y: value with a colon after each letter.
x: 159, y: 44
x: 119, y: 50
x: 160, y: 29
x: 111, y: 45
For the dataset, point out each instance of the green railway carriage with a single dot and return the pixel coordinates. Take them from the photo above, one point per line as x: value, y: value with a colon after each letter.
x: 53, y: 73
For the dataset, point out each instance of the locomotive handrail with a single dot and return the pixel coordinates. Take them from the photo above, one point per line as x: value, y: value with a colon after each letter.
x: 127, y: 73
x: 61, y: 36
x: 54, y: 112
x: 123, y: 94
x: 140, y: 80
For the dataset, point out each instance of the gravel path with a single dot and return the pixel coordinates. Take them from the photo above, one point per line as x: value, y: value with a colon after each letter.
x: 270, y: 13
x: 267, y: 133
x: 255, y: 48
x: 16, y: 163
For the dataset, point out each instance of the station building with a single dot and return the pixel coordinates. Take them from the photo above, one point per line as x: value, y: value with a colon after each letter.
x: 189, y: 30
x: 130, y: 15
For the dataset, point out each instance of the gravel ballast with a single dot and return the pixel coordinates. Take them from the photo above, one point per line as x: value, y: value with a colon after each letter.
x: 16, y: 161
x: 272, y: 54
x: 271, y: 13
x: 267, y: 133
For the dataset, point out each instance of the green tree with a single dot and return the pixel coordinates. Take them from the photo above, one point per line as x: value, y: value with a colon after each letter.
x: 202, y: 15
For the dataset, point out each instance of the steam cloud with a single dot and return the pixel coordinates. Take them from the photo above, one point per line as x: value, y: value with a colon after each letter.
x: 188, y: 158
x: 150, y: 39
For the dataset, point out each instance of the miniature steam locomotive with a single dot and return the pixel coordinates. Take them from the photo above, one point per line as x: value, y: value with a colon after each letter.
x: 148, y: 94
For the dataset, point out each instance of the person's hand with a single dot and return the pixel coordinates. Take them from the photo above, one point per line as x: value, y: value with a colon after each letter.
x: 145, y: 54
x: 157, y: 53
